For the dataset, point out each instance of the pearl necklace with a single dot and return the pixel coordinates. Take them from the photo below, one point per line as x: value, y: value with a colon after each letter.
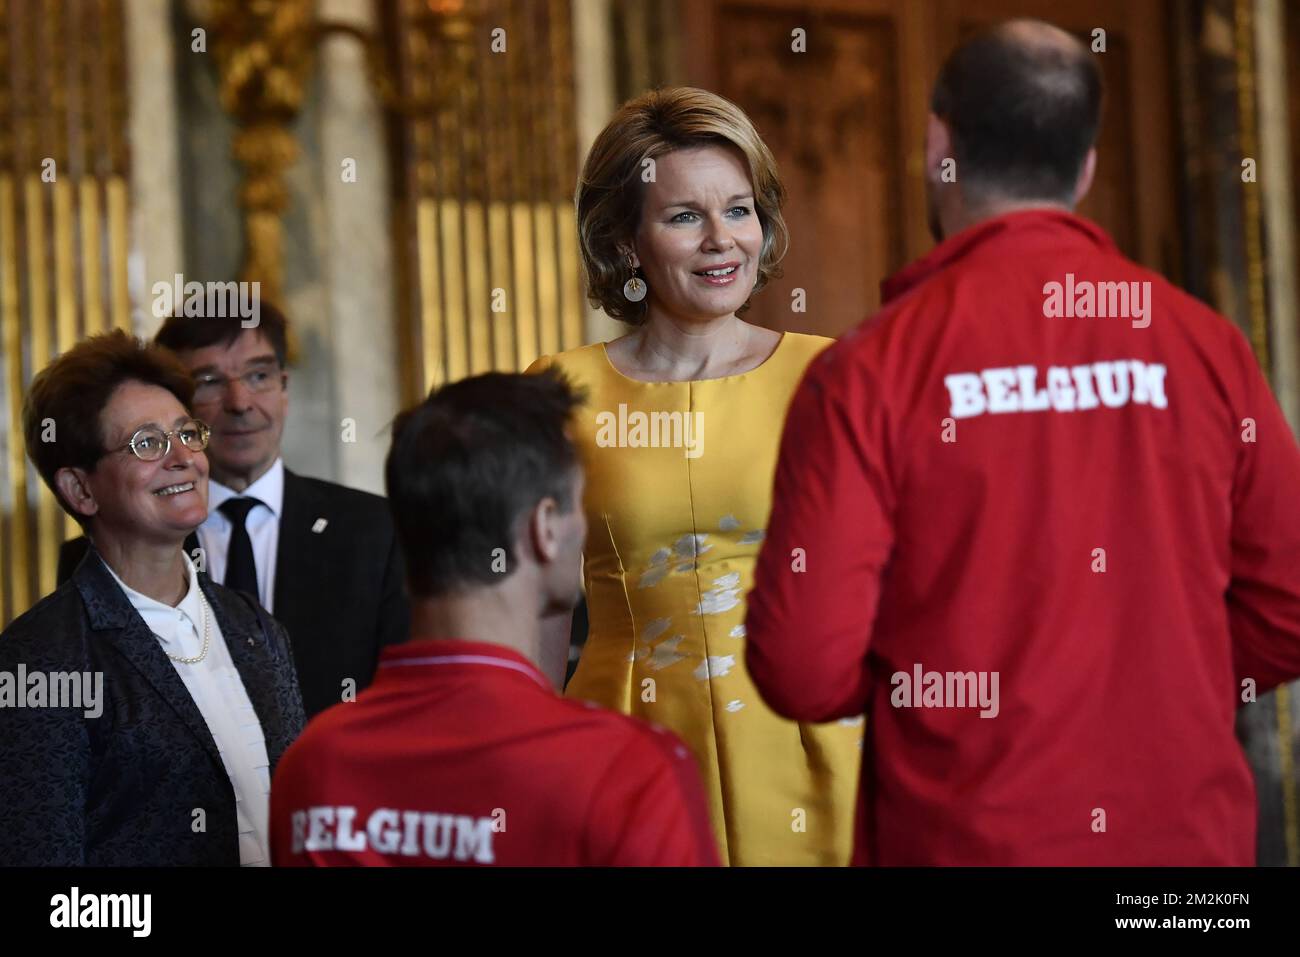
x: 203, y: 612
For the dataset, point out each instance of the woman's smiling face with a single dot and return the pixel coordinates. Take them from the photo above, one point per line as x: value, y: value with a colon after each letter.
x: 699, y: 241
x: 162, y: 500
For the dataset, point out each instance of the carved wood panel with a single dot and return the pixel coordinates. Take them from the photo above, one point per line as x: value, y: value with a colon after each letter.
x: 830, y: 116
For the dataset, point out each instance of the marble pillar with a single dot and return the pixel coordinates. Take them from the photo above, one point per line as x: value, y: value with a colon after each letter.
x: 156, y: 244
x: 356, y: 250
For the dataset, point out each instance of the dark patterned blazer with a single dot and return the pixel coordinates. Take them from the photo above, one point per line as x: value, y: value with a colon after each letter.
x: 339, y: 591
x: 123, y: 788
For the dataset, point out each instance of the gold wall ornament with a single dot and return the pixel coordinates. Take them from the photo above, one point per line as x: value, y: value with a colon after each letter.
x: 486, y: 132
x: 64, y: 216
x: 481, y: 97
x: 1258, y: 329
x: 264, y: 53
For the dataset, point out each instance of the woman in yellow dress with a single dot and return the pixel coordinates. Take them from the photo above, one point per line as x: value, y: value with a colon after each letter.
x: 679, y: 210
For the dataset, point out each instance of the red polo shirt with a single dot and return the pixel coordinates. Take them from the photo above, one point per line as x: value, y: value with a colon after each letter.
x: 1038, y: 519
x: 461, y: 753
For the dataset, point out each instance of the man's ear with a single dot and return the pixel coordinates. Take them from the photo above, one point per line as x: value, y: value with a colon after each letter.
x: 938, y: 147
x: 1086, y: 174
x: 74, y: 489
x: 543, y: 530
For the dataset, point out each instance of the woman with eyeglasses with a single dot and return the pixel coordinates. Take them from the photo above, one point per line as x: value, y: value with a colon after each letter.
x: 143, y: 708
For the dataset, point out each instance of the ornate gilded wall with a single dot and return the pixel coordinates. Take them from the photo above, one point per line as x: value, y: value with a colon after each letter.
x: 485, y: 139
x: 63, y: 237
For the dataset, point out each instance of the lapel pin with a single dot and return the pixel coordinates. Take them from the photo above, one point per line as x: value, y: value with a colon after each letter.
x: 320, y: 525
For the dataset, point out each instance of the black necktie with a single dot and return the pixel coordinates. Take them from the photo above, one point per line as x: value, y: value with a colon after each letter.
x: 241, y: 570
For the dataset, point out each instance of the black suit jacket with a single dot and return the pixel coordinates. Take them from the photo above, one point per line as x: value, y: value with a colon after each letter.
x: 339, y: 592
x: 123, y: 788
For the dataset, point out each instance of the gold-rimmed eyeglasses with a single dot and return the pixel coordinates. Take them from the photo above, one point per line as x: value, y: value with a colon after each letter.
x: 151, y: 443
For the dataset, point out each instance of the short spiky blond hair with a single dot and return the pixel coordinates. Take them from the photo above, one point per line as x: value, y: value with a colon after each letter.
x: 610, y: 190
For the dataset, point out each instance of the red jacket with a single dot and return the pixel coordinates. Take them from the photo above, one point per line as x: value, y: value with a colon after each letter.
x: 461, y: 753
x: 1048, y: 554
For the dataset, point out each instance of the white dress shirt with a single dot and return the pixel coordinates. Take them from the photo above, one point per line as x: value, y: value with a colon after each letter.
x: 218, y: 691
x: 263, y: 524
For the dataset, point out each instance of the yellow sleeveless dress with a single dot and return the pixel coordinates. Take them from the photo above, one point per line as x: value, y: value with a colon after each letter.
x: 679, y: 485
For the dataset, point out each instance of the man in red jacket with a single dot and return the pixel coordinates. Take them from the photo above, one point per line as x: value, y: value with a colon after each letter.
x: 461, y: 752
x: 1036, y: 518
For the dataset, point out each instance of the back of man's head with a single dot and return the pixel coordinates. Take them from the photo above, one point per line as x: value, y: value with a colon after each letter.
x: 468, y: 466
x: 1023, y: 103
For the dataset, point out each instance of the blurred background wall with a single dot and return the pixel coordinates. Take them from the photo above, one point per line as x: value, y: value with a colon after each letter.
x: 398, y: 174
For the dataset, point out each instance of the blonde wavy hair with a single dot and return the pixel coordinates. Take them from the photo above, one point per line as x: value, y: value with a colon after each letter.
x: 611, y: 189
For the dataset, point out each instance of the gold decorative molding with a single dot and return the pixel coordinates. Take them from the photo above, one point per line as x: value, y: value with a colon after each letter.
x: 1258, y: 326
x: 63, y: 238
x: 487, y: 131
x: 265, y: 53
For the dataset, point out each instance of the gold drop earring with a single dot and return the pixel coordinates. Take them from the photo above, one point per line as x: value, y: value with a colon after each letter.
x: 634, y: 289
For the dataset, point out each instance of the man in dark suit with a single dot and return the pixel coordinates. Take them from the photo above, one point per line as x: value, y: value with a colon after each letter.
x: 322, y: 558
